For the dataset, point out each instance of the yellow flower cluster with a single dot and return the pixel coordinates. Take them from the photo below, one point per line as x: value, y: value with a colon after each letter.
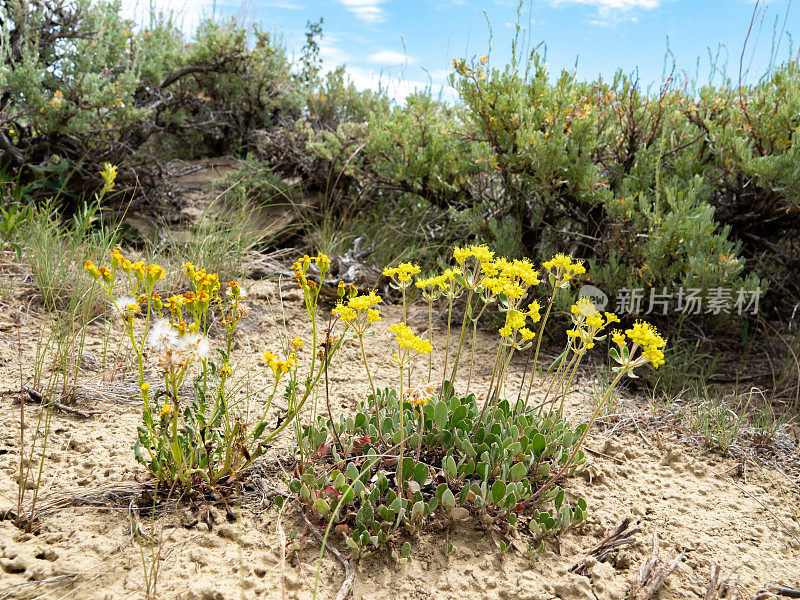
x: 481, y: 253
x: 202, y: 281
x: 535, y: 311
x: 407, y: 340
x: 515, y: 321
x: 650, y: 340
x: 279, y: 367
x: 441, y: 281
x: 300, y: 267
x: 345, y: 313
x: 109, y: 175
x: 512, y: 278
x: 589, y: 322
x: 402, y: 273
x: 148, y: 275
x: 364, y: 302
x: 564, y: 266
x: 359, y: 306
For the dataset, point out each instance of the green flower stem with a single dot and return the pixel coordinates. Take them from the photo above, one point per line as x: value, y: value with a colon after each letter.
x: 558, y: 376
x: 472, y: 354
x: 402, y: 436
x: 550, y: 482
x: 461, y: 337
x: 489, y: 393
x: 501, y: 380
x: 430, y: 337
x: 539, y: 335
x: 310, y: 385
x: 447, y: 344
x: 577, y: 361
x: 372, y: 386
x: 421, y: 430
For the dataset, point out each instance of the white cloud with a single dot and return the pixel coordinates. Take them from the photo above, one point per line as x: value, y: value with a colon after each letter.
x: 612, y: 12
x: 391, y: 57
x: 332, y: 56
x: 283, y: 5
x: 369, y: 11
x: 397, y: 87
x: 614, y: 5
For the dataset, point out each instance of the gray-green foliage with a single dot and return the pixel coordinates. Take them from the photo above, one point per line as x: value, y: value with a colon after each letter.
x: 504, y: 469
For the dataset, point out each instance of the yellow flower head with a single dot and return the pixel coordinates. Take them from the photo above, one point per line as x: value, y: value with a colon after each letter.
x: 482, y: 253
x: 595, y: 321
x: 323, y: 262
x: 647, y: 336
x: 109, y: 175
x: 345, y: 313
x: 90, y: 268
x: 515, y: 319
x: 138, y: 270
x: 154, y: 273
x: 403, y: 272
x: 407, y: 340
x: 560, y: 262
x: 534, y: 311
x: 116, y: 258
x: 363, y: 303
x: 190, y: 270
x: 461, y: 254
x: 297, y: 343
x: 583, y: 307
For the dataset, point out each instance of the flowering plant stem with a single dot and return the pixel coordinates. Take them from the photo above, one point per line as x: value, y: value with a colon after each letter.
x: 536, y: 354
x: 467, y: 312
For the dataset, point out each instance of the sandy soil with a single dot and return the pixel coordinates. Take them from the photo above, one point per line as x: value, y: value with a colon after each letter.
x: 697, y: 504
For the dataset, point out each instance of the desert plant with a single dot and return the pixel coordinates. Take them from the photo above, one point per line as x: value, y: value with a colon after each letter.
x: 204, y: 439
x: 421, y: 451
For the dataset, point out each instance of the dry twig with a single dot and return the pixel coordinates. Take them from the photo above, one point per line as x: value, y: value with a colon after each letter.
x: 349, y: 569
x: 652, y: 574
x: 622, y: 536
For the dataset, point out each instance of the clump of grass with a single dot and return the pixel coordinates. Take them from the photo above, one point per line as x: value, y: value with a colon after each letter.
x: 716, y: 422
x: 56, y: 252
x: 222, y: 240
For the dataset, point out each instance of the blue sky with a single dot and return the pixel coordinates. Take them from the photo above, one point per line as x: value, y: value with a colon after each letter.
x: 403, y: 44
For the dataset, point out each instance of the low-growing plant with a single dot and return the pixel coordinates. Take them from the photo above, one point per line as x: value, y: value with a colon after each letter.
x: 421, y: 451
x: 10, y: 225
x: 203, y: 438
x: 411, y: 453
x: 717, y: 423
